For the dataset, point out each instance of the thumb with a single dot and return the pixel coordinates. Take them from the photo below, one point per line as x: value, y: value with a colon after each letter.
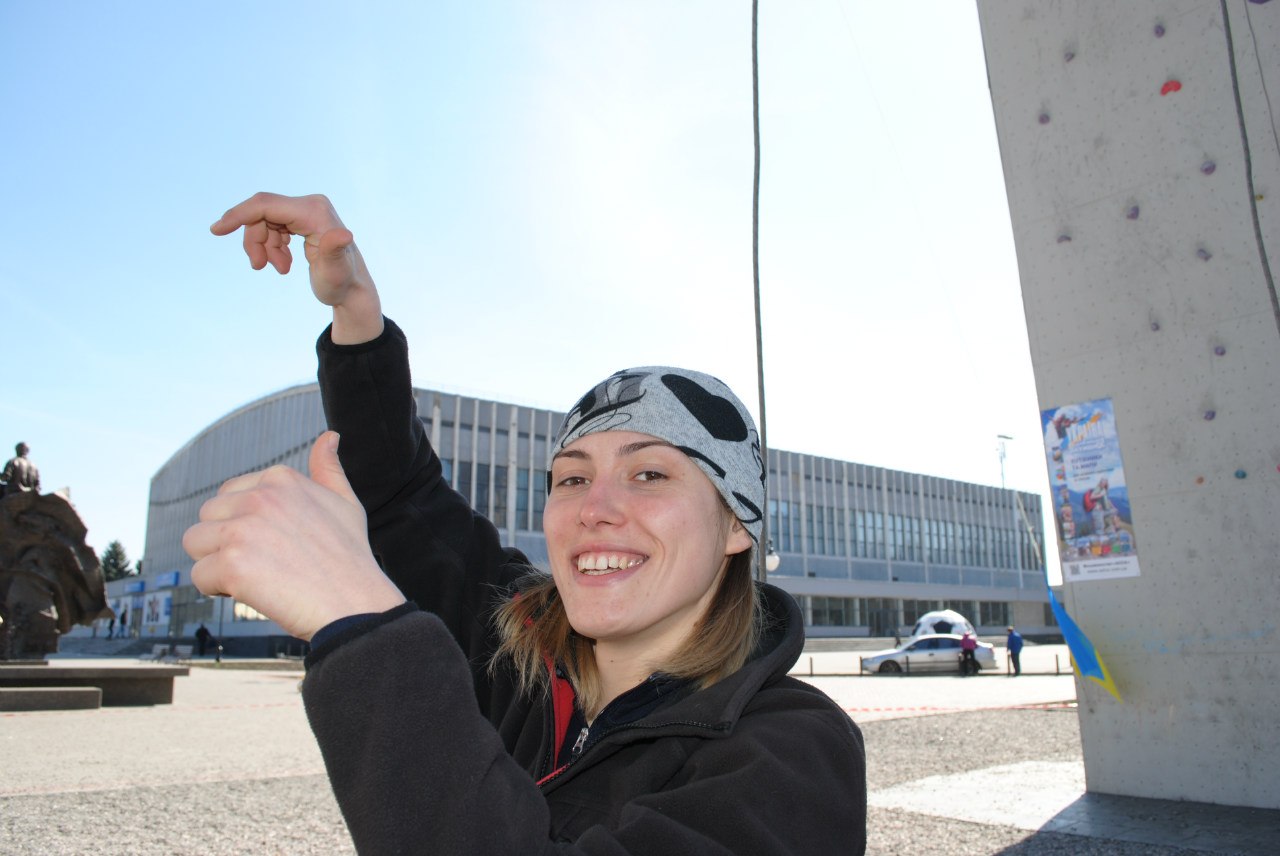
x: 331, y: 246
x: 326, y: 469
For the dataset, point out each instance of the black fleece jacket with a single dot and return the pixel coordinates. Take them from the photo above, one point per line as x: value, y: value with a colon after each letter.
x: 428, y: 751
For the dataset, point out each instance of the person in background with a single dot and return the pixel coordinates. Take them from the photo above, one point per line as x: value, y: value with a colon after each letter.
x: 202, y: 639
x: 633, y: 701
x: 968, y: 656
x: 1014, y: 644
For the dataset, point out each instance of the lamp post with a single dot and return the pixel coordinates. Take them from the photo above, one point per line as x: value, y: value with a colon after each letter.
x: 762, y: 566
x: 771, y: 558
x: 1003, y: 438
x: 217, y: 648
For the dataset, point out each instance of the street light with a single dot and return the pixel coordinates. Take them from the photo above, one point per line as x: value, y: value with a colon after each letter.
x: 217, y: 646
x: 1003, y: 438
x: 764, y: 561
x: 771, y: 558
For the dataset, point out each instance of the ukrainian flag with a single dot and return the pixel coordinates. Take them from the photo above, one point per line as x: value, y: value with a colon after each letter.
x: 1086, y: 659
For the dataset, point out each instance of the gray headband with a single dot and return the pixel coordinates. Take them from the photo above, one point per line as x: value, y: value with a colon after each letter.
x: 692, y: 411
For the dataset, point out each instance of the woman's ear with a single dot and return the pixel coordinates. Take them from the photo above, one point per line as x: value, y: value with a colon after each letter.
x: 738, y: 539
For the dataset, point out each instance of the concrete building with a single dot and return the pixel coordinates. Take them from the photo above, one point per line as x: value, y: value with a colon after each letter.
x: 865, y: 550
x: 1142, y: 164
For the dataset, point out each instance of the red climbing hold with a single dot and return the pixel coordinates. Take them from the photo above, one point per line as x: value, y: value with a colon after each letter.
x: 1170, y: 86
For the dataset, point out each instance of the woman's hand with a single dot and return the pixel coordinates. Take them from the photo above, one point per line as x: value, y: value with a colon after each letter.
x: 339, y: 277
x: 293, y: 548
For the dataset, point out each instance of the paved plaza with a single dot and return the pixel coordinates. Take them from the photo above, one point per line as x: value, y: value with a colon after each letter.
x: 981, y: 765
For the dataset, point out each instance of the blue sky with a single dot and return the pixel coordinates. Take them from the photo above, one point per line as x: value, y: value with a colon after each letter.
x: 544, y: 193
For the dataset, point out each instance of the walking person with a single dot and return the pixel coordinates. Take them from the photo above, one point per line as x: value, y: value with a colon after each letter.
x: 202, y: 639
x: 634, y: 701
x: 1014, y: 644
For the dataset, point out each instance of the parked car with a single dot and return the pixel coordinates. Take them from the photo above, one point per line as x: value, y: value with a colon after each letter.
x: 933, y: 652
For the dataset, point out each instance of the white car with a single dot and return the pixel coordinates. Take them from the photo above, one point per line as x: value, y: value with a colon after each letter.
x: 933, y: 652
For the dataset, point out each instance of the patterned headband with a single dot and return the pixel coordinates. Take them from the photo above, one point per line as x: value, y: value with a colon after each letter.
x: 692, y: 411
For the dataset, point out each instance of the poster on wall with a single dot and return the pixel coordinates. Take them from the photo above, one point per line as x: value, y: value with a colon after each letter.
x: 1090, y: 497
x: 155, y: 616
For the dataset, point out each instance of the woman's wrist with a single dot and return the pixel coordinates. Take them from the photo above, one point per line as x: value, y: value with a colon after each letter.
x: 358, y: 318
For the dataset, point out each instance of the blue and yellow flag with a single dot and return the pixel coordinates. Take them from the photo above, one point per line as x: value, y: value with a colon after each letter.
x: 1086, y: 659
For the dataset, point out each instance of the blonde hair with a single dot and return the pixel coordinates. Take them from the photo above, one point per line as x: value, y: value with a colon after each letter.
x: 536, y: 636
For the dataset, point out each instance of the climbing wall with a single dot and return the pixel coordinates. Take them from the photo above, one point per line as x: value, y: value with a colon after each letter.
x: 1142, y: 167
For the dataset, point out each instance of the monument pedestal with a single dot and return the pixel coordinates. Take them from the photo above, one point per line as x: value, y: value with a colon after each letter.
x: 121, y: 686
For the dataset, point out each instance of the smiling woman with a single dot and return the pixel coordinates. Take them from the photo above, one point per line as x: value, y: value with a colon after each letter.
x: 637, y: 701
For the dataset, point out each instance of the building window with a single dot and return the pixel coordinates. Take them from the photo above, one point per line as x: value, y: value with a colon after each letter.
x: 881, y: 615
x: 913, y: 609
x: 784, y: 527
x: 837, y: 518
x: 522, y: 498
x: 482, y: 489
x: 993, y: 614
x: 833, y: 611
x: 539, y: 498
x: 500, y: 497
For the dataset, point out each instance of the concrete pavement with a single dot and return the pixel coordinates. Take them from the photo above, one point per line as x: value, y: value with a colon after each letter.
x: 231, y: 767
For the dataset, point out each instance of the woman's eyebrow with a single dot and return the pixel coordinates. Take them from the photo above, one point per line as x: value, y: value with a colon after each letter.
x: 628, y: 449
x: 632, y: 448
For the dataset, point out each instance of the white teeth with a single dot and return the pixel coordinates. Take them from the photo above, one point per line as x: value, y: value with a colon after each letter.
x: 603, y: 563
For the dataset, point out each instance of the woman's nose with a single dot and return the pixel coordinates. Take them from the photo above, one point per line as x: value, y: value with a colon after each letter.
x: 601, y: 504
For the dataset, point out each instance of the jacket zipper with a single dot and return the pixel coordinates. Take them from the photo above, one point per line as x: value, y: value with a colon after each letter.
x: 573, y: 756
x: 582, y: 737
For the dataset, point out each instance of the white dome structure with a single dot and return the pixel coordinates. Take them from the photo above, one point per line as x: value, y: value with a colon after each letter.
x: 942, y: 621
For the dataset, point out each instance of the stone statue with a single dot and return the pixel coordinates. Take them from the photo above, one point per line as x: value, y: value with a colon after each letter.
x: 20, y: 475
x: 50, y: 579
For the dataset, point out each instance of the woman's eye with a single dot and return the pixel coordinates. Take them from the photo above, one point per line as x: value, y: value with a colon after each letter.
x: 650, y: 475
x: 571, y: 481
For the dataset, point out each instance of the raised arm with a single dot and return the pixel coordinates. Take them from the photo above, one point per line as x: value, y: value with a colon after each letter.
x: 295, y: 547
x: 430, y: 543
x: 339, y: 277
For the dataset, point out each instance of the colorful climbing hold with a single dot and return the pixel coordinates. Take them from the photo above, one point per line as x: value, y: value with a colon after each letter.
x: 1209, y: 415
x: 1219, y: 350
x: 1203, y: 254
x: 1200, y: 479
x: 1170, y: 86
x: 1044, y: 118
x: 1159, y: 30
x: 1064, y: 239
x: 1132, y: 213
x: 1068, y: 56
x: 1208, y: 167
x: 1241, y: 474
x: 1155, y: 326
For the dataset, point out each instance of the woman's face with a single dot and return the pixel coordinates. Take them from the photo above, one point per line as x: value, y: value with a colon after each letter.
x: 637, y: 538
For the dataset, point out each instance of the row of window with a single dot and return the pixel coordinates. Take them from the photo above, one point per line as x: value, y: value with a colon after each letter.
x: 884, y: 616
x: 889, y: 616
x: 873, y: 535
